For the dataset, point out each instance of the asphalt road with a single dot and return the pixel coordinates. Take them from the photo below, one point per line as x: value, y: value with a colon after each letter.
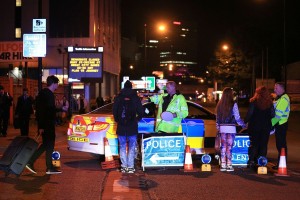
x: 83, y: 178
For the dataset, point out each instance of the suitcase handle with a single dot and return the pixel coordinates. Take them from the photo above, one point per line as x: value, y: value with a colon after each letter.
x: 37, y: 136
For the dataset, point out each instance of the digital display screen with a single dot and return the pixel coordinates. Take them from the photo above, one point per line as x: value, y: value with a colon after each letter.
x: 85, y: 65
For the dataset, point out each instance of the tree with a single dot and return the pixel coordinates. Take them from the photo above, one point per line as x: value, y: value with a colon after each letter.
x: 230, y: 69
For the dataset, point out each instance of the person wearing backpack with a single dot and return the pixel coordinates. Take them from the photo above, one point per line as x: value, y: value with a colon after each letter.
x: 127, y: 111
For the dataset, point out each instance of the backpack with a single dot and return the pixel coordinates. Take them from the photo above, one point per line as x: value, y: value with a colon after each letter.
x: 126, y: 111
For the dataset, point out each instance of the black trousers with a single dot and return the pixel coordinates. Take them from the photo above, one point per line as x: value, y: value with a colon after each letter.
x: 24, y: 126
x: 4, y: 124
x: 280, y: 135
x: 258, y: 144
x: 48, y: 145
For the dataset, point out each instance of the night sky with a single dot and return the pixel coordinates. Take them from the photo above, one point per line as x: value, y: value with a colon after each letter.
x: 253, y: 25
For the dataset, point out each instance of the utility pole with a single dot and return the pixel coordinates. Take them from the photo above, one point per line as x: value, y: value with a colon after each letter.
x: 40, y: 60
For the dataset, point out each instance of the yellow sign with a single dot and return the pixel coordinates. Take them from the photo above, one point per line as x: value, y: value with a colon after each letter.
x: 80, y: 129
x: 206, y: 168
x: 78, y: 139
x: 262, y: 170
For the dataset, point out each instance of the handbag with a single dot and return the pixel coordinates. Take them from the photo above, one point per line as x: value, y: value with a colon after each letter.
x: 16, y: 123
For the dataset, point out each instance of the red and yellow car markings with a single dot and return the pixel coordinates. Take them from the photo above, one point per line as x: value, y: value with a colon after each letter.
x: 84, y: 125
x: 111, y: 132
x: 78, y: 139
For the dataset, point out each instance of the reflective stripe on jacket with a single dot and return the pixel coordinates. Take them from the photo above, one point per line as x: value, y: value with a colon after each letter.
x: 177, y: 105
x: 282, y: 110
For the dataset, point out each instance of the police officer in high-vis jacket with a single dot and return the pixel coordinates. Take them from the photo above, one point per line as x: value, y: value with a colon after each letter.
x: 280, y: 121
x: 172, y: 103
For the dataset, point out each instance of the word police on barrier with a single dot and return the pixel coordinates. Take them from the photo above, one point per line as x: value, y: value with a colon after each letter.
x: 240, y: 150
x: 158, y: 151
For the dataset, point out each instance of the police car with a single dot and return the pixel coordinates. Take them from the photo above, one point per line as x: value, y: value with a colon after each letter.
x: 86, y: 132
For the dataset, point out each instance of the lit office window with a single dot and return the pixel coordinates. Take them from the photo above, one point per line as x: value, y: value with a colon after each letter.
x: 18, y: 3
x: 18, y: 32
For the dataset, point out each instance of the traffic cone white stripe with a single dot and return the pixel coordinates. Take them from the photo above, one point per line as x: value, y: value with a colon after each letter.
x: 107, y: 151
x: 282, y: 169
x: 188, y: 163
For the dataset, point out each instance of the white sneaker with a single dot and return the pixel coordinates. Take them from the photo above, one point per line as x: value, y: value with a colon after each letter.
x: 130, y: 170
x: 53, y: 171
x: 223, y: 168
x: 229, y: 168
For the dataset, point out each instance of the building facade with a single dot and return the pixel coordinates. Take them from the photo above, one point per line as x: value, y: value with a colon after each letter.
x: 80, y: 23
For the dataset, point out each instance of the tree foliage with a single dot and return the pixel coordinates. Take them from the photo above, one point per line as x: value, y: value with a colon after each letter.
x: 230, y: 69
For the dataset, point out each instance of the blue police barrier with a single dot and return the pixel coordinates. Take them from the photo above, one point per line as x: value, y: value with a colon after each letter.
x: 240, y: 150
x: 163, y: 150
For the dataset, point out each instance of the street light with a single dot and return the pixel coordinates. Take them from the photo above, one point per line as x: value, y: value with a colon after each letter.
x: 161, y: 28
x: 225, y: 47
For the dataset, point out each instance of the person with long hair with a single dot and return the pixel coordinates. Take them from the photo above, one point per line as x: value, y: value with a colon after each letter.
x: 259, y: 116
x: 227, y: 117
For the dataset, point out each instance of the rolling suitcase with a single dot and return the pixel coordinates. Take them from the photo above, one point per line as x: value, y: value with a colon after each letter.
x: 17, y: 155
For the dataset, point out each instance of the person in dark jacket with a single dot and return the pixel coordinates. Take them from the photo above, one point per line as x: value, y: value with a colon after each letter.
x: 23, y: 111
x: 5, y: 103
x: 127, y: 129
x: 46, y: 116
x: 259, y: 116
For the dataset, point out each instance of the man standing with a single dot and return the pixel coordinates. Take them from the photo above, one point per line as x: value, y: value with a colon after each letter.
x: 46, y: 115
x: 82, y: 104
x: 23, y: 111
x: 5, y: 103
x: 174, y: 105
x: 280, y: 121
x: 127, y: 111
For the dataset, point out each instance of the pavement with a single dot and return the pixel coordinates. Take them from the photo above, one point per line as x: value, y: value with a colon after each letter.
x: 81, y: 177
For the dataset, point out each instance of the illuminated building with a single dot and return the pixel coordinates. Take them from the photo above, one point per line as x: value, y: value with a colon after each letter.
x: 87, y: 23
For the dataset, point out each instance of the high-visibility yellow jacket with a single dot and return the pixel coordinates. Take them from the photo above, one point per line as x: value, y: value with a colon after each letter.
x: 177, y: 105
x: 282, y: 110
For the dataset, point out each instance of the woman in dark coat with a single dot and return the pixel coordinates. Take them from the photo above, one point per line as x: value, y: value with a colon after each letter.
x: 259, y: 116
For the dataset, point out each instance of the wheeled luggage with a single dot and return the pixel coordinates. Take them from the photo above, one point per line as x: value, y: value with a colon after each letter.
x: 17, y: 155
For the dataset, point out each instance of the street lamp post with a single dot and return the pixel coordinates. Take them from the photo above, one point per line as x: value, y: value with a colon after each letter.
x: 145, y: 47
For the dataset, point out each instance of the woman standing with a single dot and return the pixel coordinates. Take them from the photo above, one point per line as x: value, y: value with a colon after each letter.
x: 227, y: 117
x: 259, y: 116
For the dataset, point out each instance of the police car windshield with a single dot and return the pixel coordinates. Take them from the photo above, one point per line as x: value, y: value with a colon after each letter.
x: 106, y: 109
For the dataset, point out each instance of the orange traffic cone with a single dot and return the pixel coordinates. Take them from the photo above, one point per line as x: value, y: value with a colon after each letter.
x: 107, y: 151
x: 282, y: 170
x: 109, y: 162
x: 188, y: 163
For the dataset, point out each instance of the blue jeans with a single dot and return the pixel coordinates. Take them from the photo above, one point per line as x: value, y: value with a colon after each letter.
x: 127, y: 159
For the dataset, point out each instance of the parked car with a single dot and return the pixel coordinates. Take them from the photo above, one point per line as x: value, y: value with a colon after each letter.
x: 86, y: 132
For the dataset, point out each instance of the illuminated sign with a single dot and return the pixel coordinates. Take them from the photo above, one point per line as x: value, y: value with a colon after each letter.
x: 85, y: 63
x: 147, y: 83
x: 150, y: 82
x: 13, y: 51
x: 39, y: 25
x: 34, y: 45
x: 163, y: 151
x: 240, y: 150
